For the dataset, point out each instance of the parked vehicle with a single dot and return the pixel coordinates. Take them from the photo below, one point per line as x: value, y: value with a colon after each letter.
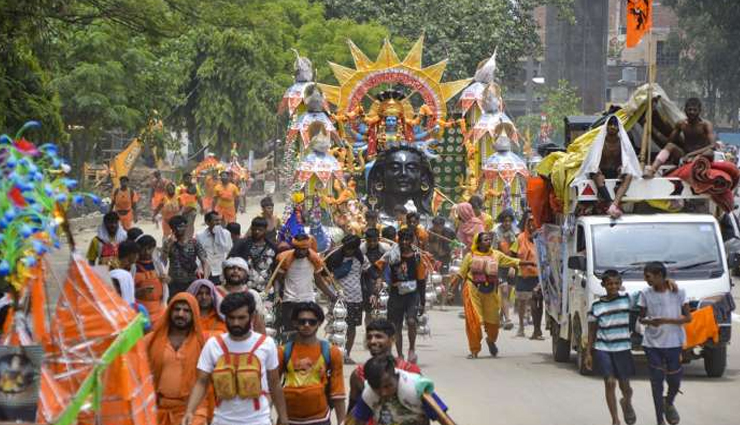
x: 573, y: 254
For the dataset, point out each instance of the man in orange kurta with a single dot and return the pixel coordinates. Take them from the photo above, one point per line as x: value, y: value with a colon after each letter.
x: 173, y: 349
x: 158, y: 188
x: 123, y: 203
x: 209, y: 301
x: 226, y: 198
x: 209, y: 186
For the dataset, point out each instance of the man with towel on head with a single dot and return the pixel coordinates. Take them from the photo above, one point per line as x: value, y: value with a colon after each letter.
x: 611, y: 156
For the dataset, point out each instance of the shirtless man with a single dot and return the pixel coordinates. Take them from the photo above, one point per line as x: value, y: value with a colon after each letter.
x: 690, y: 138
x: 610, y: 168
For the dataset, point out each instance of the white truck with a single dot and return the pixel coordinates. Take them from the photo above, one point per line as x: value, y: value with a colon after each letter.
x: 573, y: 254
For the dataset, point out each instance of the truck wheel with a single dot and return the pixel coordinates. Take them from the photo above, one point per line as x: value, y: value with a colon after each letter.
x: 560, y: 346
x: 715, y: 360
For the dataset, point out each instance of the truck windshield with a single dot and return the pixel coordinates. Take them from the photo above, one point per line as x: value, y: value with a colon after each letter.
x: 689, y: 250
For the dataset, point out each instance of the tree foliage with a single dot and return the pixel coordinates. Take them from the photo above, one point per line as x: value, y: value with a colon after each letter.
x: 217, y: 70
x: 708, y: 54
x: 558, y: 103
x: 465, y: 31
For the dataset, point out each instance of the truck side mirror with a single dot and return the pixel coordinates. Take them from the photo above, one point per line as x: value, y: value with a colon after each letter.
x: 577, y: 262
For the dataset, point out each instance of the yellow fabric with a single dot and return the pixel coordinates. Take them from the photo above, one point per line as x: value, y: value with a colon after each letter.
x: 123, y: 162
x: 561, y: 167
x: 487, y: 220
x: 486, y: 306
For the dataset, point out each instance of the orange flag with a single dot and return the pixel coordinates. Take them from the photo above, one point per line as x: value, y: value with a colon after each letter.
x: 438, y: 198
x: 639, y: 20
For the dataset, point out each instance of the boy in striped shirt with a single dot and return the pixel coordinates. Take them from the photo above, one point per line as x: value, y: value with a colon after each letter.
x: 609, y: 340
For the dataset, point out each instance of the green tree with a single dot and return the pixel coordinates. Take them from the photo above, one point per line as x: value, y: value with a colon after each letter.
x: 237, y: 69
x: 109, y: 78
x: 25, y: 89
x: 708, y: 55
x: 558, y: 103
x: 465, y: 31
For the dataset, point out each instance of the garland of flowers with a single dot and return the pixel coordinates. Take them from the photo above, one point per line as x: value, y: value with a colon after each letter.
x: 34, y: 195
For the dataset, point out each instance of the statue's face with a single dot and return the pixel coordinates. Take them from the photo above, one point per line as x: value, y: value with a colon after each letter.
x: 391, y: 121
x: 403, y: 172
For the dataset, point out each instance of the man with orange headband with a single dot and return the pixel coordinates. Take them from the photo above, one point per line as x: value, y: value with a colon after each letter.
x: 300, y: 270
x: 173, y: 349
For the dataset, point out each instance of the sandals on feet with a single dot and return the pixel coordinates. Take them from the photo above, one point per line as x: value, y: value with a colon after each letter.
x: 630, y: 417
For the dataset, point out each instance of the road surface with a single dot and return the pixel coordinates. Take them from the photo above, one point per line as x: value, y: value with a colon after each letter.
x: 524, y: 385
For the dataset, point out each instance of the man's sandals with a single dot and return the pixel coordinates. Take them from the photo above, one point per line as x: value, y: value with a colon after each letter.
x: 630, y: 417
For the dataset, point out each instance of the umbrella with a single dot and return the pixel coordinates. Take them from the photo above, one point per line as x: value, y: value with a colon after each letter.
x: 293, y: 97
x: 323, y: 166
x: 504, y: 165
x: 302, y: 122
x: 494, y: 124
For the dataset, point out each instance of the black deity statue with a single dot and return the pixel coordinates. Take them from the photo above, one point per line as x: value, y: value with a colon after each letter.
x: 401, y: 174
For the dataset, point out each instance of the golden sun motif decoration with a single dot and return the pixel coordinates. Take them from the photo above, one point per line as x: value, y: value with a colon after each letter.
x: 354, y: 84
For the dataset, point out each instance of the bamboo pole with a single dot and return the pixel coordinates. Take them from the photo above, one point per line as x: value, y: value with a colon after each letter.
x: 442, y: 416
x: 647, y: 131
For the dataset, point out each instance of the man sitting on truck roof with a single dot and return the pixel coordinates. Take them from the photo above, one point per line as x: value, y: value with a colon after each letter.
x: 691, y: 138
x: 611, y: 156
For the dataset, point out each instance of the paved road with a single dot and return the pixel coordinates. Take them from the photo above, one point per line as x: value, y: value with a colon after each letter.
x: 523, y: 385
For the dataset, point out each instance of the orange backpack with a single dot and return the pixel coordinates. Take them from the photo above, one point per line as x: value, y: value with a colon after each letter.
x: 238, y: 374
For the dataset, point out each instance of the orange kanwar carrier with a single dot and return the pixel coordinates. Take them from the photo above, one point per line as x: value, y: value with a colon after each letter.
x: 89, y: 317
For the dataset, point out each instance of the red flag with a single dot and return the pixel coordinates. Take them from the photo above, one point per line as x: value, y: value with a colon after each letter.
x: 639, y: 20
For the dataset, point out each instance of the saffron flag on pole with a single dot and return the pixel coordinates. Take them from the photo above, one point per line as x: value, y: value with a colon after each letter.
x: 639, y: 20
x: 124, y: 161
x: 438, y: 198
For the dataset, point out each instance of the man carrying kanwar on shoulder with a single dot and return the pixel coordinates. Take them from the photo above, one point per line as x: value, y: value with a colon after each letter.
x: 611, y: 156
x: 407, y: 284
x: 103, y: 248
x: 300, y: 270
x: 394, y: 396
x: 380, y: 337
x: 244, y: 368
x: 173, y: 349
x: 348, y: 264
x: 123, y: 202
x: 209, y: 301
x: 258, y: 252
x: 312, y: 369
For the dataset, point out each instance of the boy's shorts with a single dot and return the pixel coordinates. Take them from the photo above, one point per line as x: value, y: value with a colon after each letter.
x: 617, y: 364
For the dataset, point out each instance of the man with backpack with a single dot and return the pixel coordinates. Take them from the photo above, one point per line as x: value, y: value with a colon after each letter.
x: 123, y: 203
x: 243, y: 367
x: 313, y: 381
x: 103, y: 249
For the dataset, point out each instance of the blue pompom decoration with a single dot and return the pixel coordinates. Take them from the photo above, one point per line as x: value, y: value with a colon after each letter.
x: 26, y: 231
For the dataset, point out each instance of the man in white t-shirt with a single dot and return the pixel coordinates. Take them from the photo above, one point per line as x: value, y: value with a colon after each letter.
x: 238, y: 309
x: 217, y: 242
x: 300, y: 270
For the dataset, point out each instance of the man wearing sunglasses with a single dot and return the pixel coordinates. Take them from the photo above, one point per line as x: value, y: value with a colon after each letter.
x: 313, y: 381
